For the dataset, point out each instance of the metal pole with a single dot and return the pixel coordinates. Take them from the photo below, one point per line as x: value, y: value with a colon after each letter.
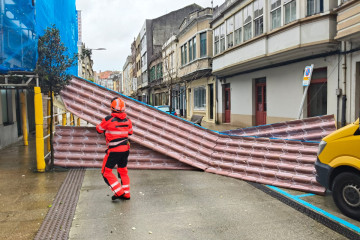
x: 302, y: 102
x: 24, y: 118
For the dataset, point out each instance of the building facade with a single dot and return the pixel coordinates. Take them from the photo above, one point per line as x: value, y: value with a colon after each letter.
x: 153, y: 34
x: 85, y: 63
x: 170, y: 72
x: 127, y: 77
x: 195, y: 92
x: 261, y: 49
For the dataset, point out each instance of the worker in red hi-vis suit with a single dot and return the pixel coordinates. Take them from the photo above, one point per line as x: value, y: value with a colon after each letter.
x: 117, y: 128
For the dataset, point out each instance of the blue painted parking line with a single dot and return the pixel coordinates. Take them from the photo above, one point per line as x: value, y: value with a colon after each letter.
x: 305, y: 195
x: 316, y: 209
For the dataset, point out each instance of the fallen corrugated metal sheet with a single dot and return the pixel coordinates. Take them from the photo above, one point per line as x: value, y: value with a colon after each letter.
x: 283, y: 163
x: 84, y: 147
x: 308, y: 129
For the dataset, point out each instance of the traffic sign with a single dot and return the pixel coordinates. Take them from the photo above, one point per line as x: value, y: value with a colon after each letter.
x: 307, y: 75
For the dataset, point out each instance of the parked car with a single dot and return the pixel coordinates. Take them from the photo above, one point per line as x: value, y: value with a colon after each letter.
x: 166, y: 108
x: 338, y: 168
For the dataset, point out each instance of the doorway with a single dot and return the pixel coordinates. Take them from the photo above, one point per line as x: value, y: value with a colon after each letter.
x: 260, y: 93
x: 211, y: 101
x: 317, y: 93
x: 227, y: 103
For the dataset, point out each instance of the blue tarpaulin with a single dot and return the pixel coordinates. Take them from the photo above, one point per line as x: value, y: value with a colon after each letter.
x: 21, y: 24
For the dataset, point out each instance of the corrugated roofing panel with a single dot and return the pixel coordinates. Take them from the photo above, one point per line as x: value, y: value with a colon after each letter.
x: 308, y: 129
x: 278, y: 162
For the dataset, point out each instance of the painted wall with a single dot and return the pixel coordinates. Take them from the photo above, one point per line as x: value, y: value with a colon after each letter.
x: 284, y: 92
x: 190, y: 99
x: 9, y: 133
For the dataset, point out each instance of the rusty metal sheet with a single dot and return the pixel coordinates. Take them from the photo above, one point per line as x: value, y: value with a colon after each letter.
x: 283, y: 163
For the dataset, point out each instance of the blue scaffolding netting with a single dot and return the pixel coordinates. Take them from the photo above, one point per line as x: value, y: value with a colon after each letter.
x: 21, y: 24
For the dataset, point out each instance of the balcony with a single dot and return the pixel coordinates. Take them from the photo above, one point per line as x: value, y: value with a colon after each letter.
x: 308, y: 37
x: 348, y: 21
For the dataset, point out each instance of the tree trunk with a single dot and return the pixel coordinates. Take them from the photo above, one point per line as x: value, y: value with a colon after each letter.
x: 51, y: 127
x: 170, y: 102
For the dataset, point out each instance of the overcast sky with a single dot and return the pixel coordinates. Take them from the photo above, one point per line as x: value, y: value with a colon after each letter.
x: 113, y: 24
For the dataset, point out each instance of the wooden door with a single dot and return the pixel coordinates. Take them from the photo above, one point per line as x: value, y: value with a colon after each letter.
x: 260, y: 93
x: 227, y: 104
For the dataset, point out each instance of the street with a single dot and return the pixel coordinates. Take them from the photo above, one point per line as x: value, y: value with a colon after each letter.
x: 188, y: 205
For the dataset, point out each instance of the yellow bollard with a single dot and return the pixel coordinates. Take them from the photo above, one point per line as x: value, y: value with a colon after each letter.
x: 24, y: 118
x: 72, y: 123
x: 64, y: 119
x: 78, y: 121
x: 39, y: 122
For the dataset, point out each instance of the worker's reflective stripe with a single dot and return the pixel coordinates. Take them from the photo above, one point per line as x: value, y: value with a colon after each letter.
x: 116, y: 143
x: 116, y: 132
x: 126, y: 192
x: 125, y: 186
x: 114, y: 184
x: 101, y: 128
x: 116, y: 190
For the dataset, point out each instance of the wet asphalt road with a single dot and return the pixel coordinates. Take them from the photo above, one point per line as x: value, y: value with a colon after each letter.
x: 188, y: 205
x: 164, y: 205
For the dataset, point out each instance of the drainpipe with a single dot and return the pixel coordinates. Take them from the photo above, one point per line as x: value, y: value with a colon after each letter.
x: 343, y: 110
x: 216, y: 100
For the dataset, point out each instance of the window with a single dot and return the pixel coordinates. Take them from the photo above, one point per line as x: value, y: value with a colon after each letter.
x: 190, y: 51
x: 171, y: 61
x: 200, y: 98
x: 152, y: 74
x: 203, y: 44
x: 185, y: 53
x: 238, y: 25
x: 182, y: 55
x: 143, y: 59
x: 314, y: 6
x: 275, y: 13
x: 194, y: 48
x: 247, y: 22
x: 216, y: 40
x: 230, y: 32
x: 159, y: 73
x: 289, y: 11
x: 222, y: 37
x: 258, y: 17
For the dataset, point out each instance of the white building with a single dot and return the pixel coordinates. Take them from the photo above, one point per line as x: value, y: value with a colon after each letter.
x: 261, y: 48
x: 127, y: 79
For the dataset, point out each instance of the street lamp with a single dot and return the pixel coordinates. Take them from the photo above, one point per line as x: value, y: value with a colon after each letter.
x: 97, y: 48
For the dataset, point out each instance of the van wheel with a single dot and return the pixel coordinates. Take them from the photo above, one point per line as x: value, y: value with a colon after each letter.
x: 346, y: 194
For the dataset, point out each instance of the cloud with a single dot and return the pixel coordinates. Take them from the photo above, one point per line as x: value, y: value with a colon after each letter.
x: 113, y: 24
